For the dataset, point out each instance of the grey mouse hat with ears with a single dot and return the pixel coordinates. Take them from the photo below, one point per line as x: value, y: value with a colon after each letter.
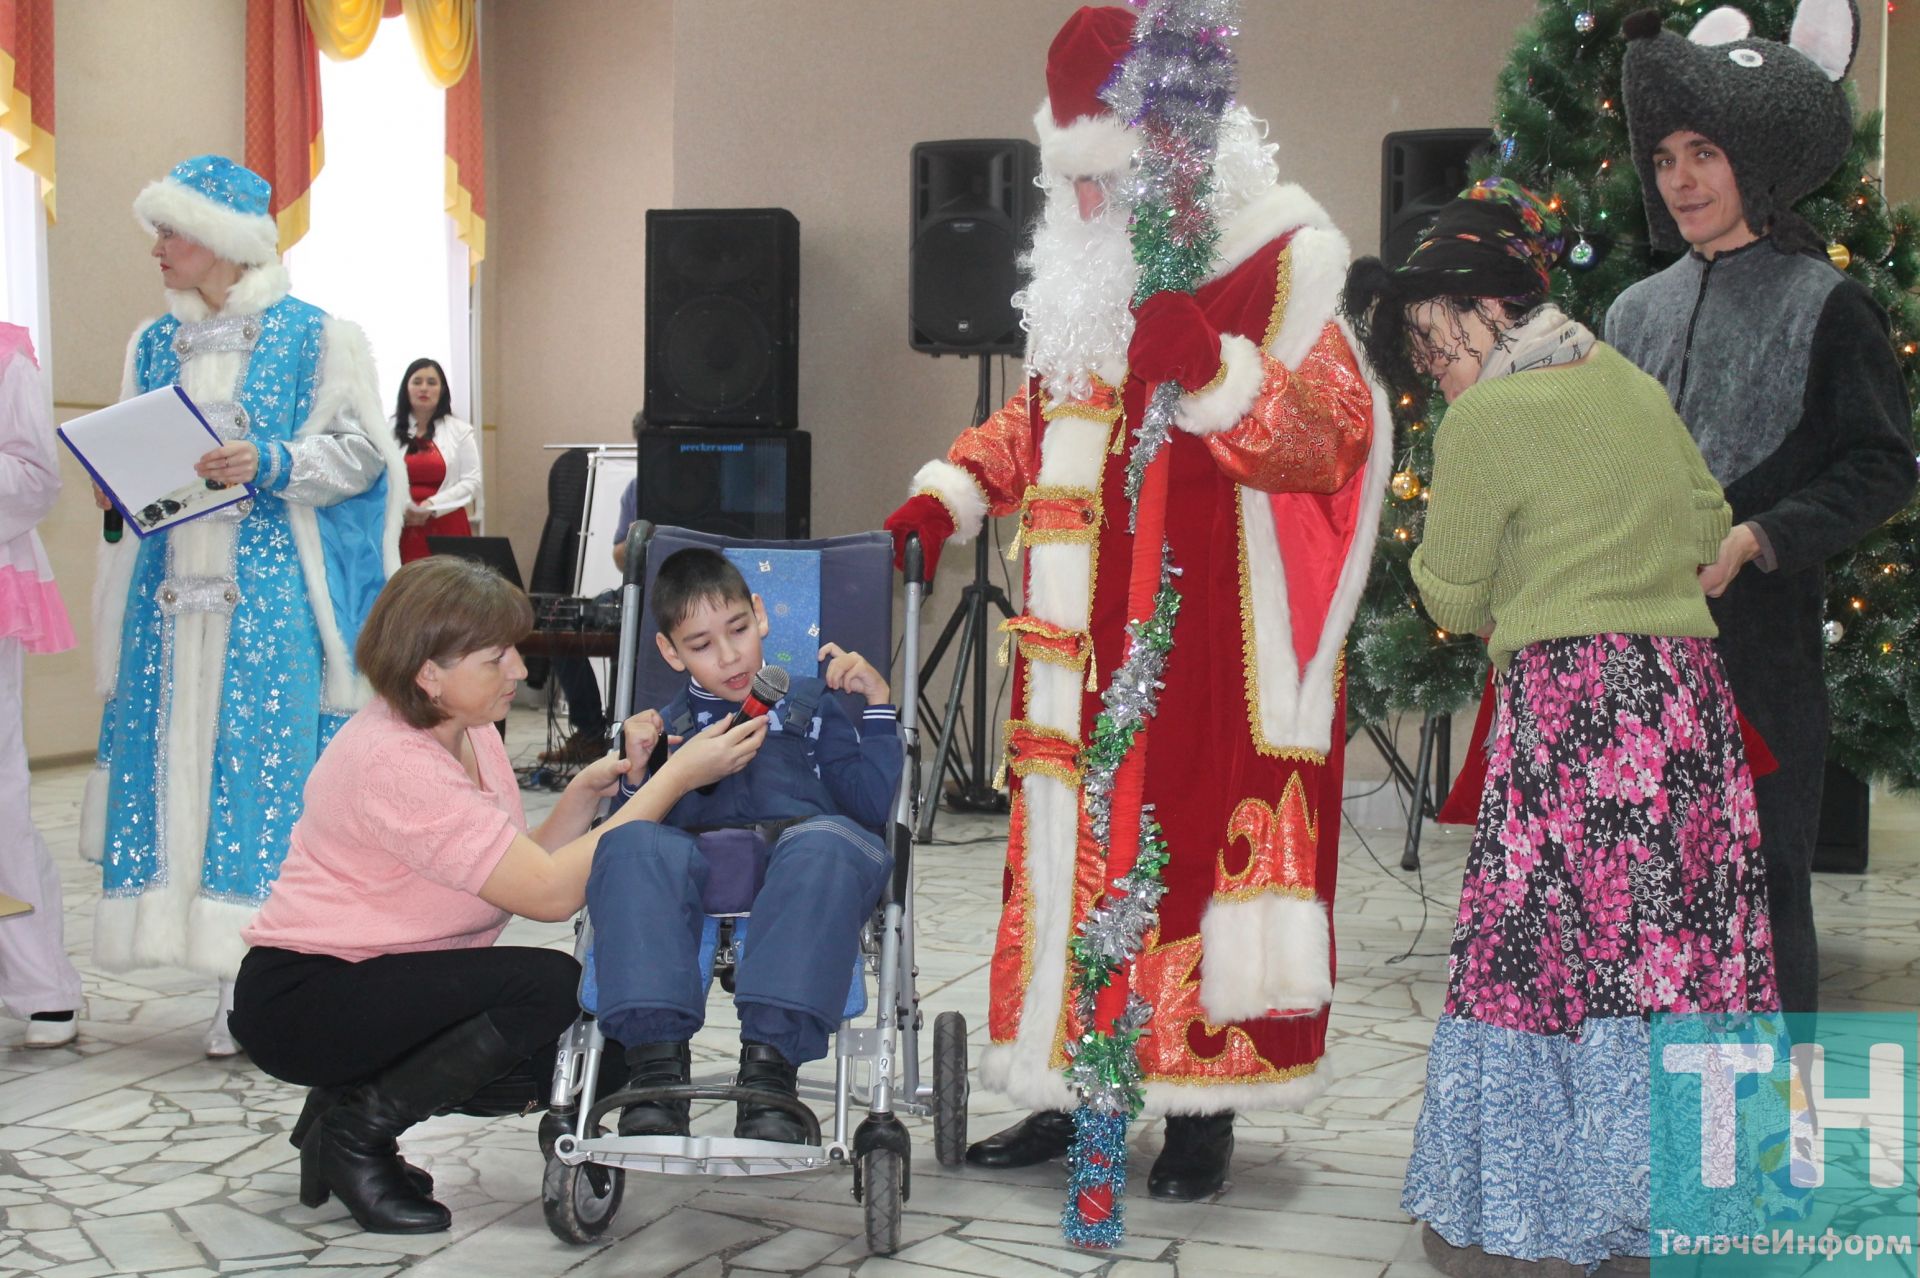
x: 1779, y: 111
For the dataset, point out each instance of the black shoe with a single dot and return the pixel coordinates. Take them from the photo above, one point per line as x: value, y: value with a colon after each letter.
x: 1039, y: 1137
x: 657, y: 1065
x: 322, y: 1099
x: 351, y: 1150
x: 763, y: 1068
x: 1193, y: 1162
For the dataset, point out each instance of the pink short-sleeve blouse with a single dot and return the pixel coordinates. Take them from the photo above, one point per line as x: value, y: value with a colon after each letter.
x: 393, y: 845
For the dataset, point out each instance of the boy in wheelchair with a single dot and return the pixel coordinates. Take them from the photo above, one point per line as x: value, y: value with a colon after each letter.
x: 813, y: 798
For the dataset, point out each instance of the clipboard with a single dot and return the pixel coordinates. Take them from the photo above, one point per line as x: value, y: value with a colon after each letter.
x: 141, y: 453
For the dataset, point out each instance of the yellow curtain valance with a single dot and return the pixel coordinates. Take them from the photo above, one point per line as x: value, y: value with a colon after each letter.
x: 344, y: 28
x: 443, y: 36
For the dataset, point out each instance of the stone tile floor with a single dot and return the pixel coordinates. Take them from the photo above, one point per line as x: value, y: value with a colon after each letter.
x: 130, y: 1153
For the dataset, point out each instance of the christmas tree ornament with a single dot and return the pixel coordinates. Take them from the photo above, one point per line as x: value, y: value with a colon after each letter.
x: 1840, y: 255
x: 1582, y: 254
x: 1834, y: 632
x: 1506, y: 148
x: 1583, y: 22
x: 1406, y: 485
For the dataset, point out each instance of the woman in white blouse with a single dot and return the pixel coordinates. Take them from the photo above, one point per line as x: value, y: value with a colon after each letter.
x: 443, y: 460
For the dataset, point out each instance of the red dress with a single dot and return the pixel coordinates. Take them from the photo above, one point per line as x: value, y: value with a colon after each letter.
x: 426, y: 471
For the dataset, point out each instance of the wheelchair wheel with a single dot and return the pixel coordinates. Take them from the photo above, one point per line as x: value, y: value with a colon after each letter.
x: 579, y: 1202
x: 880, y: 1176
x: 950, y: 1088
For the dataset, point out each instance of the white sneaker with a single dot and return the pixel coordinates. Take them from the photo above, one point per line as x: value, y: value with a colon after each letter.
x: 42, y: 1034
x: 220, y: 1042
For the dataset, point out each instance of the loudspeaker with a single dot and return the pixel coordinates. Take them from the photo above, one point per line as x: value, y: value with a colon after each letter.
x: 723, y: 317
x: 972, y: 199
x: 738, y: 483
x: 1420, y: 171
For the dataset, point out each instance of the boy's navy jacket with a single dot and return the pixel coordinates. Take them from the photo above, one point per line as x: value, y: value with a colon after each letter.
x: 813, y: 762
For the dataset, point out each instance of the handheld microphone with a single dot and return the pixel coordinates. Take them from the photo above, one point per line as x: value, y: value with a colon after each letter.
x: 111, y: 526
x: 768, y: 686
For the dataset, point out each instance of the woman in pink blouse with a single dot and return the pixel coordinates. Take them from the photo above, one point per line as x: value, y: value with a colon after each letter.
x: 372, y: 977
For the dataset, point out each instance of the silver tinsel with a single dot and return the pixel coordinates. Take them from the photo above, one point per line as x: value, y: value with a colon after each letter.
x: 1148, y: 439
x: 1115, y: 930
x: 1108, y: 1080
x: 1131, y: 697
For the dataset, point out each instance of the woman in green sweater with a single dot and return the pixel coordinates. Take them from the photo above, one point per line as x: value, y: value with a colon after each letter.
x: 1614, y: 871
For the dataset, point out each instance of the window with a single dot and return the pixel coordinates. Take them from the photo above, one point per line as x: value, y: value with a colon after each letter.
x: 23, y: 253
x: 381, y: 250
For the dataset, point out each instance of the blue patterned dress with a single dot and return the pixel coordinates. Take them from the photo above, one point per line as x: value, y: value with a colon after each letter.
x: 236, y: 629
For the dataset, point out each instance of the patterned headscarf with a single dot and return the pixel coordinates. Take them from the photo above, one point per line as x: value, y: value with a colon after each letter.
x: 1497, y: 239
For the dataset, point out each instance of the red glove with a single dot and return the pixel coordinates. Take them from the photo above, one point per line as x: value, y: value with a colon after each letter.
x: 927, y: 516
x: 1173, y: 340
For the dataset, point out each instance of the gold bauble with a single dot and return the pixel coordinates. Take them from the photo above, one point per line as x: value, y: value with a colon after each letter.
x: 1840, y: 255
x: 1405, y: 485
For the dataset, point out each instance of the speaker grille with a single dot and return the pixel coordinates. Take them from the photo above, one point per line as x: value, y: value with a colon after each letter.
x: 738, y: 483
x: 723, y: 317
x: 971, y: 200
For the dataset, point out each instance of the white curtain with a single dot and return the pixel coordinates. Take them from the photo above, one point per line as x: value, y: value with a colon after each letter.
x: 23, y: 255
x: 381, y: 251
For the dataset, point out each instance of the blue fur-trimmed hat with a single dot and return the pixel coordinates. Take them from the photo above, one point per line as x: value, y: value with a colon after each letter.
x: 215, y: 202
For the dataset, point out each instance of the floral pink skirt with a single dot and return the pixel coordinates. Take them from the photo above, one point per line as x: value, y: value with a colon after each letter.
x: 1615, y: 868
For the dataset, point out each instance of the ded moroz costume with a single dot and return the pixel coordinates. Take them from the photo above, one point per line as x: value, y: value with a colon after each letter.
x: 1276, y: 463
x: 224, y: 645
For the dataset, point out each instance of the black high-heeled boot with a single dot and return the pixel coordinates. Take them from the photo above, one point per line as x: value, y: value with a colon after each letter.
x: 352, y: 1151
x: 319, y: 1101
x: 657, y: 1065
x: 1193, y: 1161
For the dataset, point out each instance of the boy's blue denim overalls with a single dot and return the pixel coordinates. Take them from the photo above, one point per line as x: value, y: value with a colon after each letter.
x: 823, y: 878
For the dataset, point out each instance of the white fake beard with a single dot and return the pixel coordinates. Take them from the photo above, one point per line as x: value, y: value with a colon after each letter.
x: 1075, y: 306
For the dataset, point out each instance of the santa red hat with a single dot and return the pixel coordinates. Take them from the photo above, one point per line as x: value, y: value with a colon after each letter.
x: 1079, y: 135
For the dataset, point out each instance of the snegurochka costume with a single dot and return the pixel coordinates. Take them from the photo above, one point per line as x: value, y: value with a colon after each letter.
x: 1276, y: 466
x: 224, y: 645
x: 1784, y: 372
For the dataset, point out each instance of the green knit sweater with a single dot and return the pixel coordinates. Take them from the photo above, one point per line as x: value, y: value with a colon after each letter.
x: 1568, y: 501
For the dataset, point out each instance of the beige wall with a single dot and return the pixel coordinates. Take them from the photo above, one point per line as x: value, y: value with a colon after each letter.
x: 1903, y: 104
x: 580, y: 109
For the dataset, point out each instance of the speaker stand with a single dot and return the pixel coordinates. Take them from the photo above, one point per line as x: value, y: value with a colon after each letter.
x: 972, y: 624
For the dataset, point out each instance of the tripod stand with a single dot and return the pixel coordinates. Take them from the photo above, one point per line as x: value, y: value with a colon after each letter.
x: 973, y: 783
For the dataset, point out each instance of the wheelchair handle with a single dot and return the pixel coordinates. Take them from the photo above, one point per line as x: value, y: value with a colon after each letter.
x: 914, y: 561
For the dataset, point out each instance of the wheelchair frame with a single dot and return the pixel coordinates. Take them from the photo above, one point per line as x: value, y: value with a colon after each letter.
x: 586, y: 1168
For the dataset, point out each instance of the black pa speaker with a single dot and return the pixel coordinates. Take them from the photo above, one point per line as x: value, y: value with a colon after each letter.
x: 971, y: 202
x: 1420, y: 171
x: 738, y: 483
x: 1846, y: 811
x: 723, y: 317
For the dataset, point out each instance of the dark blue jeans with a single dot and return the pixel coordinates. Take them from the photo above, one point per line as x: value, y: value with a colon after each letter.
x: 644, y: 896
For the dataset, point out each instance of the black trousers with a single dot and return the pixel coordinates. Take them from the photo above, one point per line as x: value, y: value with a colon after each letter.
x: 321, y: 1021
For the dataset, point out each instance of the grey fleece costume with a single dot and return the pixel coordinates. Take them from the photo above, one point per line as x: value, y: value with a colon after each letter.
x: 1783, y: 370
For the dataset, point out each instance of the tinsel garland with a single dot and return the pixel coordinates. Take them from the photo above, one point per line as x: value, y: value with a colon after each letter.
x: 1173, y: 86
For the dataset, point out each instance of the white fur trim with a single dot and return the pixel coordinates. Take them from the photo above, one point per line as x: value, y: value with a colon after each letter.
x: 1091, y: 146
x: 213, y: 936
x: 958, y: 491
x: 1221, y: 407
x: 1296, y: 708
x: 1273, y: 212
x: 246, y: 238
x: 348, y: 392
x: 1828, y: 32
x: 93, y: 815
x: 1283, y: 947
x: 1320, y: 258
x: 1722, y: 26
x: 257, y: 288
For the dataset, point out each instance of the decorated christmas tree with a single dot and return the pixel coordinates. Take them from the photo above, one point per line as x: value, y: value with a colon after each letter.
x: 1559, y: 129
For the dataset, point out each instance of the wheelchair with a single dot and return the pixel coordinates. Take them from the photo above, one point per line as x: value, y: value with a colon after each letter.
x: 843, y: 589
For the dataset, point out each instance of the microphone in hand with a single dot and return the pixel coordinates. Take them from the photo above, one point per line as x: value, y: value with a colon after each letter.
x: 111, y: 527
x: 768, y: 687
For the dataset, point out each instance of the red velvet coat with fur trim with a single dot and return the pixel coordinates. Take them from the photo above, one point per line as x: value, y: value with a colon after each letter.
x: 1276, y: 472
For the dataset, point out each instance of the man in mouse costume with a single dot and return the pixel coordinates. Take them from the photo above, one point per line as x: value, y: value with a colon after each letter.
x: 1782, y: 368
x: 1274, y: 465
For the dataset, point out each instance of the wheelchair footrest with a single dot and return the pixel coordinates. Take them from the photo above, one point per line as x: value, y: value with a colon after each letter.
x: 694, y: 1155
